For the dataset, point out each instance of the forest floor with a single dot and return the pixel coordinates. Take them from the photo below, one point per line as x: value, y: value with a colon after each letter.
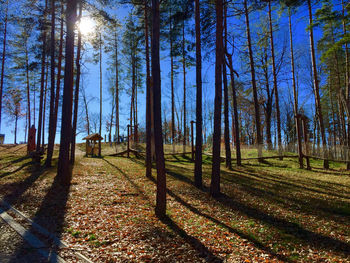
x: 268, y: 212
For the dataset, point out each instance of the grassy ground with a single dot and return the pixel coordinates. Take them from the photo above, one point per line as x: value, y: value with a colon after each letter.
x: 267, y: 212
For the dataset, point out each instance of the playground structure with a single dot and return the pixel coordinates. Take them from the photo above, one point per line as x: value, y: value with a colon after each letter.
x: 92, y: 144
x: 303, y: 157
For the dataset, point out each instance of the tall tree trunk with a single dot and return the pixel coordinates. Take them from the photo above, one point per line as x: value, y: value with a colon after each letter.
x: 255, y: 92
x: 274, y: 73
x: 342, y: 124
x: 77, y: 86
x: 296, y: 110
x: 339, y: 87
x: 268, y: 125
x: 347, y: 83
x: 184, y: 82
x: 86, y: 111
x: 28, y: 90
x: 199, y: 120
x: 172, y: 85
x: 334, y: 121
x: 317, y: 91
x: 25, y: 129
x: 148, y: 100
x: 116, y: 89
x: 44, y: 108
x: 111, y: 120
x: 52, y: 129
x: 100, y: 128
x: 42, y: 81
x: 50, y: 144
x: 3, y: 59
x: 226, y: 106
x: 235, y: 111
x: 132, y: 102
x: 16, y: 120
x: 64, y: 168
x: 34, y: 97
x: 160, y: 163
x: 215, y: 176
x: 135, y: 106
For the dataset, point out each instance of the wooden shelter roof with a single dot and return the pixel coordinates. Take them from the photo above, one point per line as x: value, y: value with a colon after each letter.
x: 93, y: 137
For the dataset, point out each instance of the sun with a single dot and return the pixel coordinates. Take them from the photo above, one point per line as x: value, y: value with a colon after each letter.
x: 86, y: 25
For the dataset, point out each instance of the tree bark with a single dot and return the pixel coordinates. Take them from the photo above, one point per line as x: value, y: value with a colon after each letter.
x: 42, y: 81
x: 199, y: 120
x: 235, y: 111
x: 278, y: 114
x: 16, y: 120
x: 116, y: 90
x: 215, y: 176
x: 100, y: 128
x: 52, y: 129
x: 77, y: 86
x: 148, y: 100
x: 86, y: 112
x: 347, y: 83
x: 296, y: 109
x: 226, y: 106
x: 317, y: 91
x: 64, y: 168
x: 28, y: 91
x: 255, y: 92
x: 184, y: 83
x: 160, y: 163
x: 50, y: 144
x: 3, y: 59
x: 44, y: 109
x: 172, y: 85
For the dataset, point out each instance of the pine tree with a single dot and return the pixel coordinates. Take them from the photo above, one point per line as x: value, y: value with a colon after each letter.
x: 3, y: 58
x: 160, y: 162
x: 77, y: 86
x: 199, y: 121
x: 255, y: 92
x: 215, y: 176
x: 13, y: 107
x: 64, y: 167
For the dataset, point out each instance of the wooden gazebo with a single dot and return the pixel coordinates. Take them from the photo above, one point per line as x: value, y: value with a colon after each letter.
x: 92, y: 144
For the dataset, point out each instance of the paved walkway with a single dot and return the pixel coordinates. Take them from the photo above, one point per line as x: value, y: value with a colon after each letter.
x: 10, y: 241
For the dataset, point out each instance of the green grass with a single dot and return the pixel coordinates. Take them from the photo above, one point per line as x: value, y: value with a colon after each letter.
x: 271, y: 208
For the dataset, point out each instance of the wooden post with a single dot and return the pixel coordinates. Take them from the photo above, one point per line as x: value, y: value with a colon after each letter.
x: 128, y: 149
x: 192, y: 140
x: 308, y: 166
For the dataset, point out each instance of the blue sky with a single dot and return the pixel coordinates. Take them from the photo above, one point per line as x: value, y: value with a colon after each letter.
x: 91, y: 76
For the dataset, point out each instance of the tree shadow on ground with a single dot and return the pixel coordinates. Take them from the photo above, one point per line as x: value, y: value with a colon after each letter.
x: 18, y: 189
x: 50, y: 215
x: 194, y: 242
x: 304, y: 235
x: 315, y: 239
x: 16, y: 170
x: 251, y: 239
x: 270, y: 185
x: 138, y: 189
x: 275, y: 188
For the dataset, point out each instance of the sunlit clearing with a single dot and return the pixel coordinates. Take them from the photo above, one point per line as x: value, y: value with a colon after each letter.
x: 86, y: 25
